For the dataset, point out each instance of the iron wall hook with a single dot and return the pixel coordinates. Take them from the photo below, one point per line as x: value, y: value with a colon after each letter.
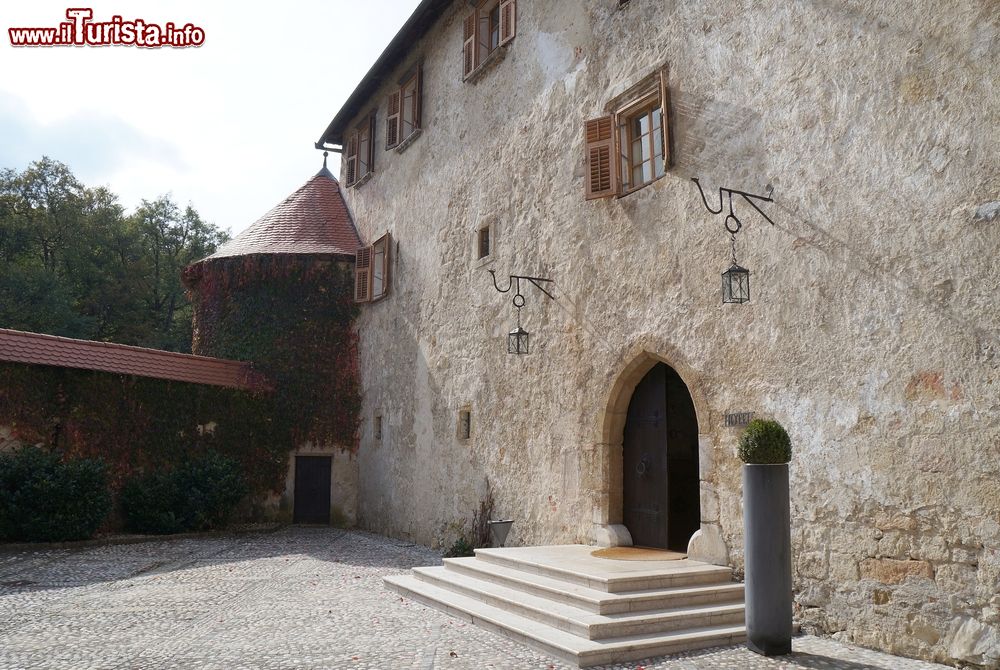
x: 512, y: 279
x: 748, y: 197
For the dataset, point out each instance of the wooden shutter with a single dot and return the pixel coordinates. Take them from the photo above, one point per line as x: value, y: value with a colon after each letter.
x: 362, y: 274
x: 352, y: 159
x: 392, y: 120
x: 508, y: 21
x: 601, y: 177
x: 419, y: 103
x: 469, y: 45
x: 665, y: 118
x: 371, y: 143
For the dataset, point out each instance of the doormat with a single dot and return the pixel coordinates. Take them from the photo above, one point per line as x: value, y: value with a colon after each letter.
x: 638, y: 554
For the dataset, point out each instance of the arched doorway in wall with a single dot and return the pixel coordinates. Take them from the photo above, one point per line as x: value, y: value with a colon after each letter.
x: 660, y: 493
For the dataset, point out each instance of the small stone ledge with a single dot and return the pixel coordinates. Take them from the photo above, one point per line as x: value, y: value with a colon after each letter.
x: 410, y: 139
x: 487, y: 65
x: 364, y: 180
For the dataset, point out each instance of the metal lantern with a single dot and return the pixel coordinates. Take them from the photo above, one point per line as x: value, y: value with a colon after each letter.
x: 735, y: 280
x: 735, y: 284
x: 517, y: 341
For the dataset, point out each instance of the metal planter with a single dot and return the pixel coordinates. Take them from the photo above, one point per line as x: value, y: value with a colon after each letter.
x: 768, y: 556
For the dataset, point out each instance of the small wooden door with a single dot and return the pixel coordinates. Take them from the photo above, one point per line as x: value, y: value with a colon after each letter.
x: 660, y: 495
x: 644, y: 497
x: 312, y: 489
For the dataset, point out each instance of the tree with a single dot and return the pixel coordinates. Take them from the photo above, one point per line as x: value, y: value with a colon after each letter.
x: 73, y: 263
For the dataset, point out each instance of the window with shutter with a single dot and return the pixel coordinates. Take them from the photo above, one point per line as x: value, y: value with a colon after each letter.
x: 392, y: 121
x: 490, y: 26
x: 362, y: 148
x: 362, y: 274
x: 629, y: 149
x: 600, y: 176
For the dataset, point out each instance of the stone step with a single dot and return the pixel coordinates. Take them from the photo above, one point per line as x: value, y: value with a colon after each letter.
x: 578, y: 621
x: 559, y: 643
x: 535, y: 560
x: 593, y: 600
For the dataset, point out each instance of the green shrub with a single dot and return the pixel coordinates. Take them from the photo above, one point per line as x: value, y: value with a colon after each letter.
x: 460, y: 548
x: 45, y: 499
x: 764, y: 442
x: 198, y: 495
x: 152, y: 504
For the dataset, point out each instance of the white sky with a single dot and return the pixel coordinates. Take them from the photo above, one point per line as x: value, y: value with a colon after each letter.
x: 228, y: 126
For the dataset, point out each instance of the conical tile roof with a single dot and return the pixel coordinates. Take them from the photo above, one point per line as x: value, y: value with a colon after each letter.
x: 313, y: 220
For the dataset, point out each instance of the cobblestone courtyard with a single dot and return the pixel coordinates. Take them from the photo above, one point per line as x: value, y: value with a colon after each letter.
x: 293, y: 598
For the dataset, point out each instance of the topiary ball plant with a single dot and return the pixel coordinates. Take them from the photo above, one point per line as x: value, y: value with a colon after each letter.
x: 765, y: 442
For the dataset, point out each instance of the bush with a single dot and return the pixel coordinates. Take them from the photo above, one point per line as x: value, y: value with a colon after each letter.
x: 460, y: 549
x: 45, y: 499
x: 198, y: 495
x: 765, y: 442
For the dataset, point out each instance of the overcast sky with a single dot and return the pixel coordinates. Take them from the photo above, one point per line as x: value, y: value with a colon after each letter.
x: 228, y: 126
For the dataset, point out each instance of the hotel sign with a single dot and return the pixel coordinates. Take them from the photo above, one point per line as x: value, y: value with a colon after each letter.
x: 738, y: 418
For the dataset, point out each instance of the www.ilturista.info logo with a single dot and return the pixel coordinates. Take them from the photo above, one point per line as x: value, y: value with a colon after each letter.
x: 80, y: 30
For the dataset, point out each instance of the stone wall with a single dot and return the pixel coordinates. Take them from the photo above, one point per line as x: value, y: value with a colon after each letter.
x: 872, y: 334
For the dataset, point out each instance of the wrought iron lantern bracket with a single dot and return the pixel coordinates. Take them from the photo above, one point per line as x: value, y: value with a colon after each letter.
x: 735, y: 280
x: 517, y: 339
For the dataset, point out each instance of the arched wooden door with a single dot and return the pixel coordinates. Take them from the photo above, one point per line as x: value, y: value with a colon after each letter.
x: 660, y: 493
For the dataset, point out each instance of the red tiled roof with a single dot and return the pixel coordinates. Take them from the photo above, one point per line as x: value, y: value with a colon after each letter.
x: 37, y: 349
x: 313, y: 220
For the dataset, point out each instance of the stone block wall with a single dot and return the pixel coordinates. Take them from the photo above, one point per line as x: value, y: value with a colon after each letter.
x: 872, y: 334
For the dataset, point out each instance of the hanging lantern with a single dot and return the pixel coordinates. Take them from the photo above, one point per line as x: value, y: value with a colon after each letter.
x: 735, y: 280
x: 517, y: 341
x: 735, y: 284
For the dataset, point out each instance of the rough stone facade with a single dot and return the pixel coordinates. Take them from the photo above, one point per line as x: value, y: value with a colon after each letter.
x: 872, y: 335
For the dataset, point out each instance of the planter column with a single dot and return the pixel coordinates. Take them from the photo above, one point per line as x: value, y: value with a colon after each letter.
x: 767, y: 541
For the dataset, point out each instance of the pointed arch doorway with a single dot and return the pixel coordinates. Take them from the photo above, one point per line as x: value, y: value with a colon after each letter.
x: 660, y: 492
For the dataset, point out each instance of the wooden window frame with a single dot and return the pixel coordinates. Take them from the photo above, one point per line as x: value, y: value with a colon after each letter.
x: 397, y: 109
x: 463, y: 427
x: 365, y: 270
x: 477, y: 46
x: 604, y: 151
x: 355, y: 176
x: 484, y: 233
x: 624, y: 158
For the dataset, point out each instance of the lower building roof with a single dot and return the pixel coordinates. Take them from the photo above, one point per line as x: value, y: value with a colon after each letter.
x: 37, y: 349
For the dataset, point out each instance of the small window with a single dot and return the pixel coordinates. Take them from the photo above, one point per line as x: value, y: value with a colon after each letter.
x: 360, y: 161
x: 630, y: 148
x: 640, y: 141
x: 490, y: 26
x: 404, y: 107
x: 464, y: 424
x: 484, y: 242
x: 377, y: 427
x: 371, y: 270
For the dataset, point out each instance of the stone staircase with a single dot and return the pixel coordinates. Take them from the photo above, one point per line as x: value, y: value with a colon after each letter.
x: 585, y: 610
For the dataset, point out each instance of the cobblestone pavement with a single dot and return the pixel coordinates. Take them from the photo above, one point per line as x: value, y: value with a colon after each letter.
x: 293, y: 598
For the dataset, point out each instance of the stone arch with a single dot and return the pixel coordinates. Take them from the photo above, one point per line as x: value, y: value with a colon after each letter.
x: 632, y: 367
